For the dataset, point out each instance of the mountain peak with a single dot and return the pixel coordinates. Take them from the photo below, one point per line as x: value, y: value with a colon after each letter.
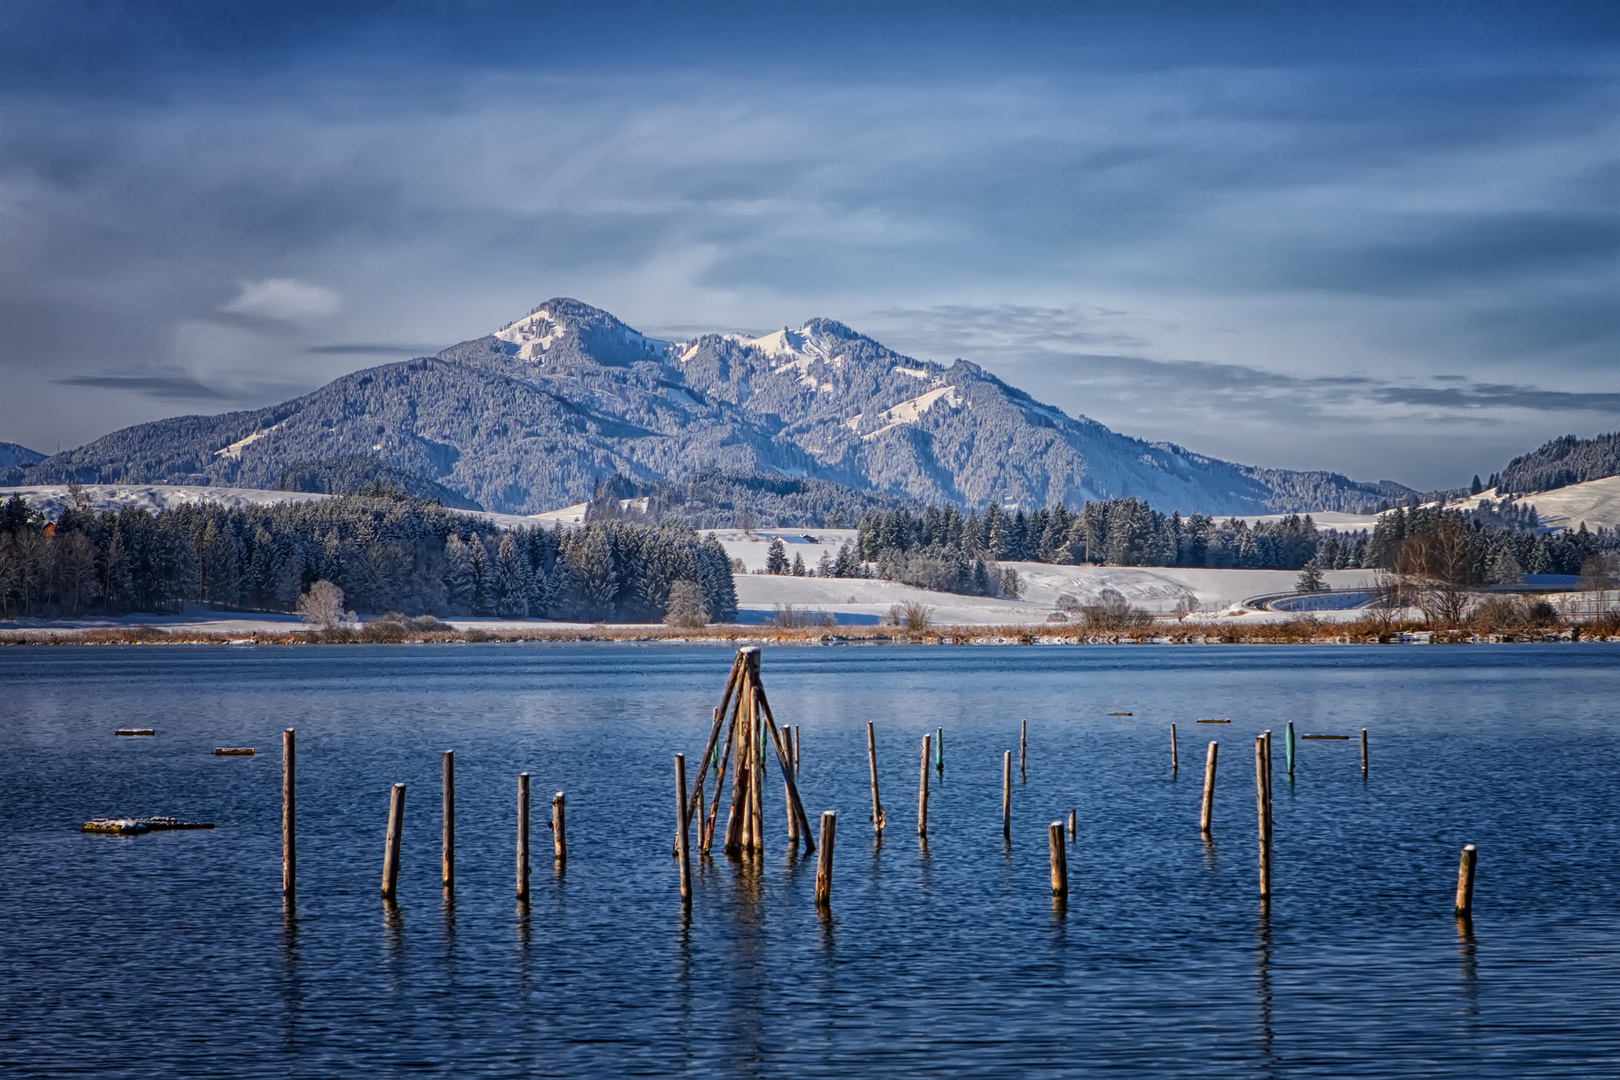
x: 563, y: 318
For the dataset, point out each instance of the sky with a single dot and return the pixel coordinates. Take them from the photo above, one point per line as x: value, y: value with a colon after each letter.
x: 1377, y: 238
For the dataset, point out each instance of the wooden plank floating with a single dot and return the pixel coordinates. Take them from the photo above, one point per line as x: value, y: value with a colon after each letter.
x: 1338, y: 738
x: 134, y: 731
x: 1121, y: 714
x: 233, y: 751
x: 1225, y: 721
x: 289, y: 793
x: 396, y: 825
x: 128, y: 826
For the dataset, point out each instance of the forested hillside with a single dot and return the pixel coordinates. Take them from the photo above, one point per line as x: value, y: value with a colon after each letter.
x: 386, y: 554
x: 1559, y: 463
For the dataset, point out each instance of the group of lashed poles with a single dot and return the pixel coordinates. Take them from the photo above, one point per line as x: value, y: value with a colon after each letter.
x: 745, y: 715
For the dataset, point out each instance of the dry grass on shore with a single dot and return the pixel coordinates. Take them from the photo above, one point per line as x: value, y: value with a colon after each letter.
x: 1299, y: 631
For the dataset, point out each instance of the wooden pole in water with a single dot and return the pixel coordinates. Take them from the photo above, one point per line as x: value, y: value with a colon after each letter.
x: 1363, y: 752
x: 787, y: 798
x: 1465, y: 881
x: 396, y: 822
x: 829, y: 825
x: 1267, y: 734
x: 782, y: 760
x: 1060, y: 860
x: 922, y: 789
x: 289, y: 815
x: 1208, y: 813
x: 1023, y: 746
x: 1074, y: 824
x: 757, y: 750
x: 681, y: 836
x: 1264, y: 816
x: 871, y: 763
x: 447, y: 839
x: 523, y: 837
x: 1006, y: 794
x: 1288, y: 746
x: 559, y: 828
x: 939, y: 749
x: 1175, y: 761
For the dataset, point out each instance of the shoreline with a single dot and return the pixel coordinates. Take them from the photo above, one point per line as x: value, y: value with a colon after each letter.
x: 1294, y: 632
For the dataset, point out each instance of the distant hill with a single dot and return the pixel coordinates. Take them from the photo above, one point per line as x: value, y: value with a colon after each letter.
x: 1560, y: 463
x: 16, y: 457
x: 533, y: 416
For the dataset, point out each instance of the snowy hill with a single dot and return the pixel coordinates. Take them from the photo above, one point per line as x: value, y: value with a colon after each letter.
x: 529, y: 417
x: 13, y: 455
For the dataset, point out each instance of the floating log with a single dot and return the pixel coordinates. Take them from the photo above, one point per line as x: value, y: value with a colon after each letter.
x: 829, y: 825
x: 1465, y: 881
x: 289, y: 793
x: 134, y: 731
x: 396, y: 824
x: 140, y: 825
x: 1215, y: 721
x: 1340, y: 738
x: 1059, y: 858
x: 1207, y: 815
x: 233, y: 751
x: 1121, y: 714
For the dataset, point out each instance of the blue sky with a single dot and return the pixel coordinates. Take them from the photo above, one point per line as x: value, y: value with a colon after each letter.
x: 1381, y: 238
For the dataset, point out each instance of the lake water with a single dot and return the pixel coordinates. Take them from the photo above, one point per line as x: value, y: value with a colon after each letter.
x: 171, y: 954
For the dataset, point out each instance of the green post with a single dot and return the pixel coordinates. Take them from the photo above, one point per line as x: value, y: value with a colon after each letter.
x: 1288, y: 743
x: 939, y: 749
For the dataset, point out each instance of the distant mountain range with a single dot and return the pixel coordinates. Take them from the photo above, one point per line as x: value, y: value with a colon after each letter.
x: 13, y: 456
x: 531, y: 417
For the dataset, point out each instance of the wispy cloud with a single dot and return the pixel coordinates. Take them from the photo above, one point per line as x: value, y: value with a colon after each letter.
x: 178, y: 388
x: 283, y: 299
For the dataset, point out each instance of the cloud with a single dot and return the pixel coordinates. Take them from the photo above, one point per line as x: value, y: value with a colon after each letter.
x: 178, y: 388
x: 283, y: 299
x: 372, y: 349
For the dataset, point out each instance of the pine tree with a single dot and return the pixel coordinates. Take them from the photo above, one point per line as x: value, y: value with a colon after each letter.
x: 1310, y: 579
x: 776, y: 561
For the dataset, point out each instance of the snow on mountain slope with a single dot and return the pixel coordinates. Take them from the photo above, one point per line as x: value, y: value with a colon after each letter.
x: 15, y: 455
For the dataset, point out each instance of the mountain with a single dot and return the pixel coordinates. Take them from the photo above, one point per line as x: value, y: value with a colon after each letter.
x: 530, y: 417
x: 14, y: 456
x: 1560, y: 463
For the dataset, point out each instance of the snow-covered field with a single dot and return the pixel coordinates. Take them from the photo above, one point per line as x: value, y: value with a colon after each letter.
x: 1596, y: 502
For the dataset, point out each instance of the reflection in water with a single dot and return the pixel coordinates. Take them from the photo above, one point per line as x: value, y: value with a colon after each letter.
x: 1468, y: 966
x: 1263, y: 987
x: 291, y: 987
x: 750, y: 972
x: 1209, y: 853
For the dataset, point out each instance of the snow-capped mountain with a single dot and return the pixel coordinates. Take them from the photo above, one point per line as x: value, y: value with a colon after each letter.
x: 531, y: 416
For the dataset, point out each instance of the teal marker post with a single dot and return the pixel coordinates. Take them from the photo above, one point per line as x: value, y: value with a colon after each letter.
x: 1288, y: 744
x: 939, y: 749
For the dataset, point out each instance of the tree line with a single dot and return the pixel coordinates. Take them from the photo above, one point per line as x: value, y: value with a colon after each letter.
x: 385, y: 553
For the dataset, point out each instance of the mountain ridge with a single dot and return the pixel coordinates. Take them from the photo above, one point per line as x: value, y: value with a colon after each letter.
x: 531, y: 416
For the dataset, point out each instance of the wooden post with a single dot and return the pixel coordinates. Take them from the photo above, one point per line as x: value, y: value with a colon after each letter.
x: 1023, y: 746
x: 289, y: 815
x: 1208, y: 814
x: 703, y: 848
x: 1264, y: 816
x: 922, y: 789
x: 559, y: 828
x: 871, y: 764
x: 829, y: 824
x: 792, y: 818
x: 756, y: 777
x: 1364, y: 752
x: 1288, y: 746
x: 523, y: 837
x: 1175, y: 762
x: 447, y: 853
x: 681, y: 836
x: 1267, y: 736
x: 939, y: 749
x: 1006, y: 794
x: 1465, y: 881
x: 396, y: 822
x: 795, y: 751
x: 1074, y: 824
x: 782, y: 760
x: 1060, y: 860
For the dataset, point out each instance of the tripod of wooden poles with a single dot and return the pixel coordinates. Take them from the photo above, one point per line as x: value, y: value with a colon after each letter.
x: 749, y: 727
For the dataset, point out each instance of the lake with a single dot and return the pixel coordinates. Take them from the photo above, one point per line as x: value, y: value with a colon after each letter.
x: 172, y: 954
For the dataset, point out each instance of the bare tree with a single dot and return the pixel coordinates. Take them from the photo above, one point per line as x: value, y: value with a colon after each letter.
x: 322, y: 606
x: 1436, y: 568
x: 913, y: 616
